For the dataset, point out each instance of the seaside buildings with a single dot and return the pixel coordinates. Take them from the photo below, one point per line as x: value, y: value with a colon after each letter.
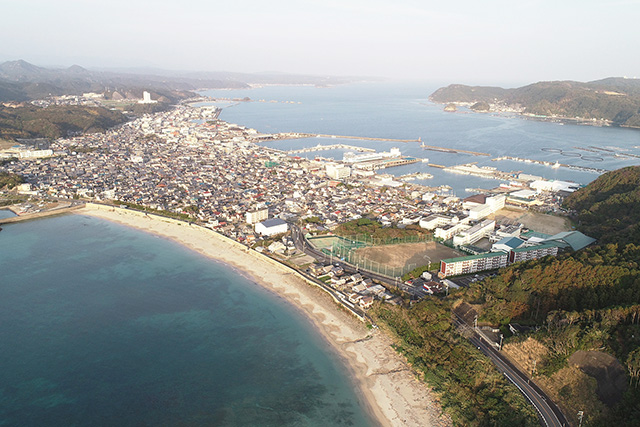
x: 186, y: 161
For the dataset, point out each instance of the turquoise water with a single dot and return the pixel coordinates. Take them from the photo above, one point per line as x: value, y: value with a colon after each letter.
x: 402, y: 111
x: 103, y: 325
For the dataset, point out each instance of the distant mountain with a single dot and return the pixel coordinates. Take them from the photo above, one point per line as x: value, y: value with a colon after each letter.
x: 614, y: 100
x: 20, y: 81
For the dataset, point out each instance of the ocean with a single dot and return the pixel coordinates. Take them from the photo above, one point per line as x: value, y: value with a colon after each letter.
x: 105, y: 325
x: 402, y: 111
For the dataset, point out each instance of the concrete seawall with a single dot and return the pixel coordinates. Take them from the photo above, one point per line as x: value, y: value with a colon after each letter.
x: 51, y: 212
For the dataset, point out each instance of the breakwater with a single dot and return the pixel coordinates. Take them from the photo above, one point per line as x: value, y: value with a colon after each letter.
x: 332, y: 147
x: 452, y: 150
x: 551, y: 164
x: 43, y: 214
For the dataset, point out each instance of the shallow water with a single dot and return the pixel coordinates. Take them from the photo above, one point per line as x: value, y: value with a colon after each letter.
x: 101, y: 324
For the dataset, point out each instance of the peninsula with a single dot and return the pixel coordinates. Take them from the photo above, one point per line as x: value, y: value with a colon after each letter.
x: 607, y: 102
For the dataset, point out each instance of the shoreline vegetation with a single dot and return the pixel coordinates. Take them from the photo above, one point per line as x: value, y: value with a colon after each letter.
x: 387, y: 385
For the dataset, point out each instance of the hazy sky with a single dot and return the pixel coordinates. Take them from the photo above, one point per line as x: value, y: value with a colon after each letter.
x: 467, y: 41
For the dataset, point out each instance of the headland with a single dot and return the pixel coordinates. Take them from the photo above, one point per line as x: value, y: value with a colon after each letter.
x: 388, y: 387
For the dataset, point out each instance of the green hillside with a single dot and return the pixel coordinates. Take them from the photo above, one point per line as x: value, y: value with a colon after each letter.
x: 616, y: 100
x: 53, y: 122
x: 581, y: 306
x: 609, y: 208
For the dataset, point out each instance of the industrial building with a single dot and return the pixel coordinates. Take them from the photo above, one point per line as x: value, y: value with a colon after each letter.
x: 271, y: 227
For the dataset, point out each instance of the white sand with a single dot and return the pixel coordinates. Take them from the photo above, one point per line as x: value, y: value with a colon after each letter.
x: 390, y: 390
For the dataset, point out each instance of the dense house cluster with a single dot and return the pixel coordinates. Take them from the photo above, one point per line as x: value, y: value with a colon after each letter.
x: 187, y: 161
x: 355, y: 288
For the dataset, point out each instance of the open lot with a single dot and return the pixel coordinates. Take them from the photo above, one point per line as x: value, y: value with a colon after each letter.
x: 406, y: 254
x: 542, y: 223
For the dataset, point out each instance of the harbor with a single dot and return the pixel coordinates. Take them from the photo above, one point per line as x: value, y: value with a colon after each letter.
x: 550, y: 164
x: 320, y: 147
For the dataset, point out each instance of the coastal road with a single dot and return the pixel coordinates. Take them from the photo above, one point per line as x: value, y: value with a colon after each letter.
x: 548, y: 412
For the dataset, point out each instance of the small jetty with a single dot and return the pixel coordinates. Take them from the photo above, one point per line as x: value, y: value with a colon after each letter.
x: 320, y: 147
x: 552, y: 164
x: 41, y: 214
x: 452, y: 150
x: 364, y: 138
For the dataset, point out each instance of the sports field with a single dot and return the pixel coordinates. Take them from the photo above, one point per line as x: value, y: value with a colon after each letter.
x: 406, y: 255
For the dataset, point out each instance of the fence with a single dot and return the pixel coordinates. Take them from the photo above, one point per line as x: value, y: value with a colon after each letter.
x: 346, y: 249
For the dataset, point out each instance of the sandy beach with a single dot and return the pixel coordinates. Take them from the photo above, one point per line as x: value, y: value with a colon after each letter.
x: 389, y: 389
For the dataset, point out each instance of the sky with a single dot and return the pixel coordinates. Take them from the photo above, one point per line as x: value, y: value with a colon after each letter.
x: 464, y: 41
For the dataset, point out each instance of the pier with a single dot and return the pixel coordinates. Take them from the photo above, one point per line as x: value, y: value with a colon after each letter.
x: 386, y: 163
x: 452, y: 150
x: 551, y: 164
x: 42, y: 214
x: 332, y: 147
x: 365, y: 138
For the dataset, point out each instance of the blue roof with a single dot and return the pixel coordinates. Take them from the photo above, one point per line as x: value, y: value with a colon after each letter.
x: 575, y: 239
x: 512, y: 242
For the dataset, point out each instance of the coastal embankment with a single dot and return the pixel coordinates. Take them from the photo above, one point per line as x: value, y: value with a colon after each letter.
x: 389, y: 388
x: 36, y: 215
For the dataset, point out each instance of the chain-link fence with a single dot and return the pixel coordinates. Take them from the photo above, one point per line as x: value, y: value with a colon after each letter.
x: 346, y: 249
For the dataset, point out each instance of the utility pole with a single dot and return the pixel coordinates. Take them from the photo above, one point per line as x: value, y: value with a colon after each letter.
x: 580, y: 415
x: 500, y: 346
x: 533, y: 371
x: 475, y: 322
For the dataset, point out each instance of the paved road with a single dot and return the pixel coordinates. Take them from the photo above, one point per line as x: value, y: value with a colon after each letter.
x: 548, y: 412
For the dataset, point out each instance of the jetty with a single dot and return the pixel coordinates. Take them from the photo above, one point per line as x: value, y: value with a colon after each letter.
x: 550, y: 164
x: 452, y: 150
x: 365, y: 138
x: 41, y: 214
x: 320, y: 147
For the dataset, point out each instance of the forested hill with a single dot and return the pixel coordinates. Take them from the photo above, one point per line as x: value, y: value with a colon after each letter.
x: 583, y: 313
x: 56, y: 121
x: 582, y: 305
x: 616, y: 100
x: 609, y: 207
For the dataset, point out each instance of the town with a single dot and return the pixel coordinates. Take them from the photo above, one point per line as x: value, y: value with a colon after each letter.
x: 189, y: 163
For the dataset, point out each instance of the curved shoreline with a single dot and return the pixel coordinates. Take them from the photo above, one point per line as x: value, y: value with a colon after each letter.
x: 386, y: 385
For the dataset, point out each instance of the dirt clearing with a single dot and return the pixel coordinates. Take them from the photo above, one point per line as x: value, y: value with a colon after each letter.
x: 406, y: 254
x: 536, y: 221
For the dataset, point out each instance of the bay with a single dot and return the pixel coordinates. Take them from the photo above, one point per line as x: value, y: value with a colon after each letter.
x: 401, y: 110
x: 101, y: 324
